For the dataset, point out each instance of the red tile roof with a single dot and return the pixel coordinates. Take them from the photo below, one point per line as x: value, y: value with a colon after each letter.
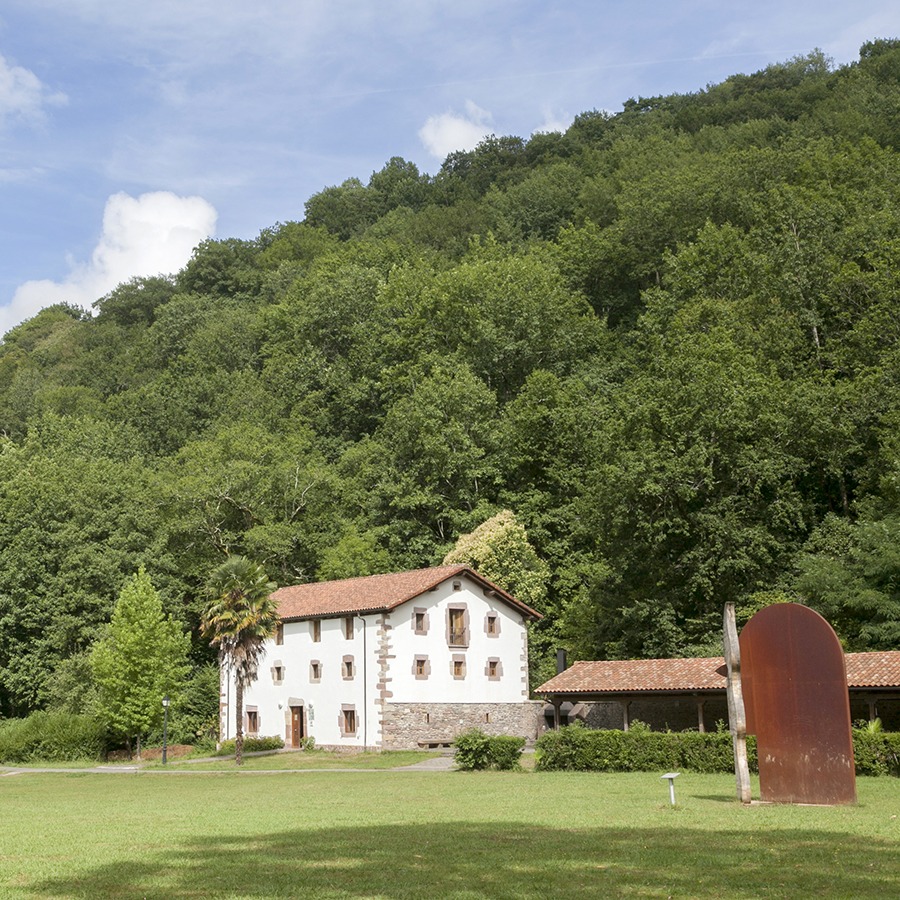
x: 880, y: 668
x: 875, y: 669
x: 377, y: 593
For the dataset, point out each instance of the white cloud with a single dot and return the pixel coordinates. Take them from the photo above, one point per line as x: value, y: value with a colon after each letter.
x: 23, y: 94
x: 445, y: 133
x: 554, y: 122
x: 149, y: 235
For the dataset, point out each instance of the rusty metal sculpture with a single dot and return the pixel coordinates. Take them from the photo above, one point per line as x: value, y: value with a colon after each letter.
x: 795, y: 696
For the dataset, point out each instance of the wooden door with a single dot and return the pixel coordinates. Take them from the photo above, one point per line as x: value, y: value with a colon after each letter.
x: 296, y: 725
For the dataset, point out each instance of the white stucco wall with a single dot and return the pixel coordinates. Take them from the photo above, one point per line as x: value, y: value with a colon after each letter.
x: 399, y: 643
x: 508, y: 647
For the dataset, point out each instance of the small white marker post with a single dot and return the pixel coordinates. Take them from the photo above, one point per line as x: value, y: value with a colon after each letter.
x: 671, y: 776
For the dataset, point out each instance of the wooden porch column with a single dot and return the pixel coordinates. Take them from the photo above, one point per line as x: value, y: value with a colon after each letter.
x: 556, y: 705
x: 626, y: 721
x: 700, y: 723
x: 873, y: 710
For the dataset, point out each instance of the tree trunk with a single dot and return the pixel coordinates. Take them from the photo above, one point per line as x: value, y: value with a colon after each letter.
x: 239, y: 716
x: 138, y: 746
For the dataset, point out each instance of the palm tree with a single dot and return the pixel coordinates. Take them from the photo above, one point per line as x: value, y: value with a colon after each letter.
x: 239, y: 617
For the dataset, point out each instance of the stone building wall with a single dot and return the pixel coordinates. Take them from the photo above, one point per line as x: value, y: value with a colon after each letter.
x: 409, y: 726
x: 660, y: 713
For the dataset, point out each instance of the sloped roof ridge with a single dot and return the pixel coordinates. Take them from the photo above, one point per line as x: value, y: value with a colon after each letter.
x: 875, y: 668
x: 373, y: 593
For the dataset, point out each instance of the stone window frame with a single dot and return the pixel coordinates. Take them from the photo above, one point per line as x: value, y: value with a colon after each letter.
x: 493, y: 668
x: 349, y: 630
x: 421, y: 667
x: 492, y: 624
x: 348, y: 718
x: 456, y: 638
x: 279, y: 634
x: 277, y: 671
x: 251, y: 720
x: 420, y: 615
x: 315, y: 630
x: 458, y: 666
x: 315, y: 671
x: 348, y: 667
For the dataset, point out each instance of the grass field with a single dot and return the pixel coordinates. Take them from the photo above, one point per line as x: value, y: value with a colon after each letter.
x: 381, y: 834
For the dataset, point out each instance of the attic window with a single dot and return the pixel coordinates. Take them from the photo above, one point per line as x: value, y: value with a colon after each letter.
x: 457, y: 585
x: 457, y: 626
x: 279, y: 634
x: 315, y: 629
x: 492, y: 624
x: 348, y: 628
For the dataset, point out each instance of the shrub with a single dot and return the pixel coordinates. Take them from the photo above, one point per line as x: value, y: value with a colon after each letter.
x: 53, y: 736
x: 578, y: 749
x: 506, y: 751
x: 251, y: 745
x: 876, y: 752
x: 477, y: 750
x: 308, y: 743
x: 473, y: 750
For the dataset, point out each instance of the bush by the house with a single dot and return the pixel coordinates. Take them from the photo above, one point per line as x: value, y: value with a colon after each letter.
x: 876, y: 752
x: 477, y: 750
x: 251, y: 745
x: 575, y: 748
x: 53, y: 736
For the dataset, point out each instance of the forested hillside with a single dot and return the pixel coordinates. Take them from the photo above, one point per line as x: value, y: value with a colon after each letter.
x: 668, y: 340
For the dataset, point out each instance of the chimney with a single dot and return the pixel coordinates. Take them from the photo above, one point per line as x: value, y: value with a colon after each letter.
x: 561, y: 665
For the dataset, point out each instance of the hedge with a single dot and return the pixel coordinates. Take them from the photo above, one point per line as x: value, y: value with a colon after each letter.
x: 52, y: 737
x: 477, y: 750
x: 251, y: 745
x: 575, y: 748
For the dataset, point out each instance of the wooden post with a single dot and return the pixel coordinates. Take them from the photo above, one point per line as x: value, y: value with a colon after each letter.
x: 701, y: 725
x: 626, y: 719
x: 736, y: 716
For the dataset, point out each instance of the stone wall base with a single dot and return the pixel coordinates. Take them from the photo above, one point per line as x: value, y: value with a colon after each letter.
x: 409, y: 726
x: 661, y: 714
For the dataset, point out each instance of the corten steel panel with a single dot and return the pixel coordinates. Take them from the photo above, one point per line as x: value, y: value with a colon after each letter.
x: 797, y: 705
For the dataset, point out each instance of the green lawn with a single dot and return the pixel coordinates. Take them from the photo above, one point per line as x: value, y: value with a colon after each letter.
x: 307, y: 759
x: 339, y: 834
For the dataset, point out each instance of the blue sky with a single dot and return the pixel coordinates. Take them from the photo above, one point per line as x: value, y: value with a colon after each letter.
x: 132, y: 129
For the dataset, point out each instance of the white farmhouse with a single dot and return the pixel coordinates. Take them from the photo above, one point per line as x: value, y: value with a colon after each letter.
x: 395, y: 661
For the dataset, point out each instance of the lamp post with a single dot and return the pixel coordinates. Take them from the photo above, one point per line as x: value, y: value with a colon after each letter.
x: 165, y: 703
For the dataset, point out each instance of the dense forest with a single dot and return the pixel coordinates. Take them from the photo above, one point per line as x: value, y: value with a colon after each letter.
x: 667, y: 340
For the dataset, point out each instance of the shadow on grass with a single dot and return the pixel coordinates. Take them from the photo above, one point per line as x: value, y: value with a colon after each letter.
x: 502, y: 861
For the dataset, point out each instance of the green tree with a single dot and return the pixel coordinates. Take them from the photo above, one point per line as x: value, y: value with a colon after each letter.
x: 141, y: 658
x: 239, y: 617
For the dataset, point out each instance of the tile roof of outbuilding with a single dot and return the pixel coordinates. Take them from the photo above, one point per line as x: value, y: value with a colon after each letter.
x: 377, y: 593
x: 874, y: 669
